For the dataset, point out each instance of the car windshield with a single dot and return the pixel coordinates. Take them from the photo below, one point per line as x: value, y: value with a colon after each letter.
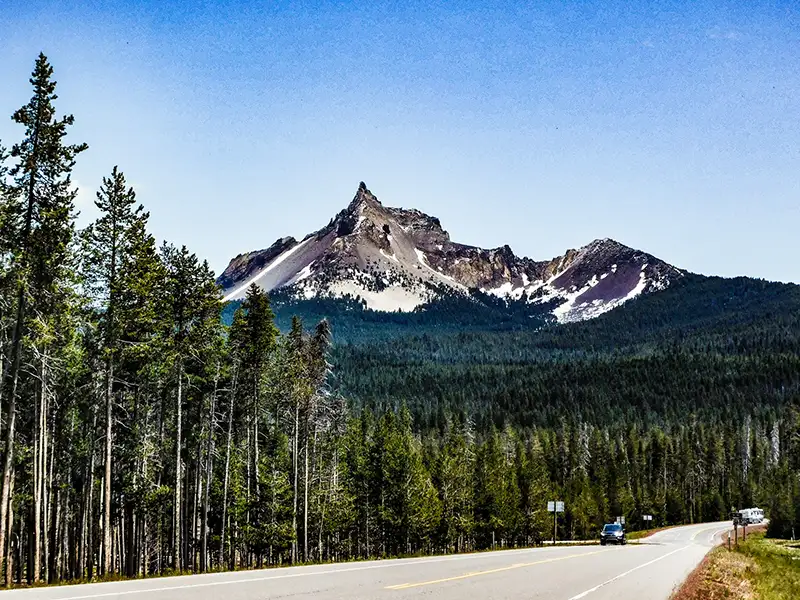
x: 612, y: 527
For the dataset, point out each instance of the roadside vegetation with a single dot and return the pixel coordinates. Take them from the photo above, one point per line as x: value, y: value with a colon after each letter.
x: 759, y: 569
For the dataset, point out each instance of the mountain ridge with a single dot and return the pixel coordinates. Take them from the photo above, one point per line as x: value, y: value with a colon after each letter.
x: 402, y: 259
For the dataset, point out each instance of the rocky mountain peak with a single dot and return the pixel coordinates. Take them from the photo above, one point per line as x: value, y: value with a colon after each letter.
x: 400, y: 259
x: 604, y: 245
x: 364, y: 206
x: 362, y: 199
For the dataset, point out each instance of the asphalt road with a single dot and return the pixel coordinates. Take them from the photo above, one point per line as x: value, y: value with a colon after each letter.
x: 649, y: 570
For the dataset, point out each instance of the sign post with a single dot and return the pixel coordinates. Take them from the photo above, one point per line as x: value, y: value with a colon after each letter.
x: 737, y: 519
x: 648, y: 519
x: 555, y: 507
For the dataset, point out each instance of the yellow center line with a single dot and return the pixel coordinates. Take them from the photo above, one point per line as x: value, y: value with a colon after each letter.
x: 405, y: 586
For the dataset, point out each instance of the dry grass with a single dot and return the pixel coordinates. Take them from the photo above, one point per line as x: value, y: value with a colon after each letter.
x: 722, y: 574
x: 760, y: 569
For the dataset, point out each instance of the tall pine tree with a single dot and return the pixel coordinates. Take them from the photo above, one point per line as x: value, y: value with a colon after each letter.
x: 40, y: 220
x: 108, y: 242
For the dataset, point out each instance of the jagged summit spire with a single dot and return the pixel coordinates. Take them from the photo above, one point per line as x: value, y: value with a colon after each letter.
x: 363, y: 196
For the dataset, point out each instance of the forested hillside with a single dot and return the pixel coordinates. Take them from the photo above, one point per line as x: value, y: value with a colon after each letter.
x: 148, y: 429
x: 709, y: 367
x: 453, y: 313
x: 709, y: 347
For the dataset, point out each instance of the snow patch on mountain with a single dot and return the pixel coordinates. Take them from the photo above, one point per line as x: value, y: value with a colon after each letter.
x: 421, y: 258
x: 564, y: 312
x: 390, y: 256
x: 307, y: 272
x: 502, y: 291
x: 389, y: 299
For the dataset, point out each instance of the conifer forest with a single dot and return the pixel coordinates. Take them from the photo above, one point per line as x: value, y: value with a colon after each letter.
x: 147, y: 428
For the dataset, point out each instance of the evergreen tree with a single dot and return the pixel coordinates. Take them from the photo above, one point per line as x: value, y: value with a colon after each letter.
x: 258, y: 345
x: 193, y: 303
x: 40, y: 219
x: 535, y: 491
x: 295, y: 386
x: 108, y: 243
x: 497, y: 497
x: 454, y: 481
x: 236, y: 345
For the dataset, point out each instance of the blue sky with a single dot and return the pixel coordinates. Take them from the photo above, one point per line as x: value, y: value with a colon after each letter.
x: 672, y: 126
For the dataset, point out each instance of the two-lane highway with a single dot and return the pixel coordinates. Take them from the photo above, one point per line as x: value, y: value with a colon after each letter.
x: 649, y: 570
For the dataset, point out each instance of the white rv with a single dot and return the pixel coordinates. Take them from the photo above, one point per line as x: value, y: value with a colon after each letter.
x: 752, y: 516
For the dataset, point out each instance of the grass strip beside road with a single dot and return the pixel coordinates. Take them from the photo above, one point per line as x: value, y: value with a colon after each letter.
x: 760, y: 569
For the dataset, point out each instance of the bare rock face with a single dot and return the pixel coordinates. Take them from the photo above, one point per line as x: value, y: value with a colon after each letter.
x: 246, y: 265
x: 399, y: 259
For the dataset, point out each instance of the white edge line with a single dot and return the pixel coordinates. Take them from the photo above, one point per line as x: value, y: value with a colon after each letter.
x: 217, y: 583
x: 621, y: 575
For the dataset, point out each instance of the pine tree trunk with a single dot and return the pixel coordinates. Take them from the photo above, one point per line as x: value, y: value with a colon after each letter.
x: 294, y: 468
x: 51, y: 508
x: 90, y: 504
x: 48, y: 501
x: 107, y: 567
x: 81, y: 546
x: 55, y: 525
x: 129, y: 541
x: 145, y: 547
x: 70, y: 537
x: 178, y: 522
x: 305, y: 494
x: 227, y: 470
x: 196, y: 505
x: 10, y: 546
x: 37, y: 482
x: 249, y: 449
x: 321, y: 507
x: 209, y: 473
x: 163, y: 546
x: 8, y: 464
x: 256, y: 403
x: 12, y: 373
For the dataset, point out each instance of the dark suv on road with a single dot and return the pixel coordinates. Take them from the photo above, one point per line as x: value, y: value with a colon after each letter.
x: 613, y: 533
